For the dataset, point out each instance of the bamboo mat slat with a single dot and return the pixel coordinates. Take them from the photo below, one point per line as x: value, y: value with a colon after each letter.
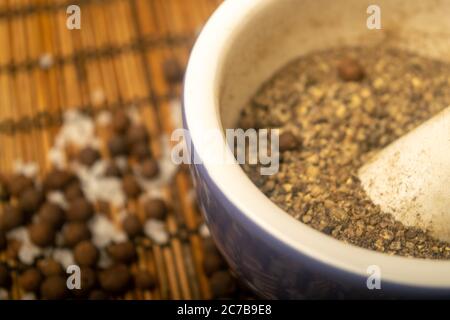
x: 114, y: 62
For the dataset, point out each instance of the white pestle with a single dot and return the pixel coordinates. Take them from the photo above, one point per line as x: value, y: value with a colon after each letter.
x: 410, y: 178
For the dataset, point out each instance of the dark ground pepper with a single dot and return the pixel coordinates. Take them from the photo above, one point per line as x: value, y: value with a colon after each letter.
x: 343, y: 106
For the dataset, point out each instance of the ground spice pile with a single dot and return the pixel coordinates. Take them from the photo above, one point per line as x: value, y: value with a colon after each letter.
x: 335, y: 109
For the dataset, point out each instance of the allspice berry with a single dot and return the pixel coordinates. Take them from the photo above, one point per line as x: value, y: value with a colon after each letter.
x: 86, y: 254
x: 12, y: 217
x: 144, y: 280
x: 73, y: 191
x: 80, y: 210
x: 115, y: 279
x: 57, y: 180
x: 173, y: 72
x: 98, y: 295
x: 149, y: 168
x: 212, y: 263
x: 141, y: 150
x: 5, y: 276
x: 120, y: 121
x: 18, y: 183
x: 88, y: 156
x: 132, y: 226
x: 54, y: 288
x: 30, y: 280
x: 136, y: 134
x: 113, y: 171
x: 88, y: 282
x: 74, y: 233
x: 350, y: 70
x: 288, y: 141
x: 50, y: 267
x: 155, y: 209
x: 41, y: 234
x: 4, y: 193
x: 222, y: 284
x: 123, y: 252
x: 118, y: 146
x: 130, y: 186
x: 3, y: 241
x: 52, y: 214
x: 30, y: 200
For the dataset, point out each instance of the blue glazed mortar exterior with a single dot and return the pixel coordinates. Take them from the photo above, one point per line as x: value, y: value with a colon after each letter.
x: 272, y: 268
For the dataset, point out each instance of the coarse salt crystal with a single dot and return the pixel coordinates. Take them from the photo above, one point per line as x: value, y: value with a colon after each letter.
x: 57, y: 197
x: 4, y: 294
x: 29, y: 169
x: 204, y: 231
x: 156, y: 230
x: 63, y: 256
x: 105, y: 232
x: 28, y: 252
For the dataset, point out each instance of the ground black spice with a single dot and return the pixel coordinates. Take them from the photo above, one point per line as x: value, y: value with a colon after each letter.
x: 342, y: 106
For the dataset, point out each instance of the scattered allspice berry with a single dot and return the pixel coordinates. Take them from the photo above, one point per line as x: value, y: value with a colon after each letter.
x: 350, y: 70
x: 31, y: 200
x: 144, y: 280
x: 118, y: 146
x: 3, y: 241
x: 120, y: 121
x: 136, y: 134
x: 74, y: 233
x: 4, y: 193
x: 288, y: 141
x: 149, y: 168
x: 57, y: 180
x: 50, y: 267
x: 80, y: 210
x: 131, y: 186
x: 115, y: 279
x: 52, y: 214
x: 18, y: 183
x: 5, y: 276
x: 173, y: 72
x: 41, y: 234
x: 112, y: 170
x: 155, y: 209
x: 132, y: 226
x: 88, y: 156
x: 141, y: 151
x: 30, y: 280
x: 73, y: 191
x: 88, y: 282
x: 11, y: 217
x: 86, y: 254
x: 222, y: 284
x: 213, y: 262
x: 54, y: 288
x: 98, y: 295
x: 123, y: 252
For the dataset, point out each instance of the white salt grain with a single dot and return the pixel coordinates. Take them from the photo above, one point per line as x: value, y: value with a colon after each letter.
x: 104, y: 118
x: 4, y: 294
x: 28, y: 252
x: 46, y: 61
x: 64, y: 257
x: 58, y: 198
x: 28, y: 296
x: 156, y: 230
x: 97, y: 187
x: 204, y: 231
x: 29, y: 169
x: 105, y: 232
